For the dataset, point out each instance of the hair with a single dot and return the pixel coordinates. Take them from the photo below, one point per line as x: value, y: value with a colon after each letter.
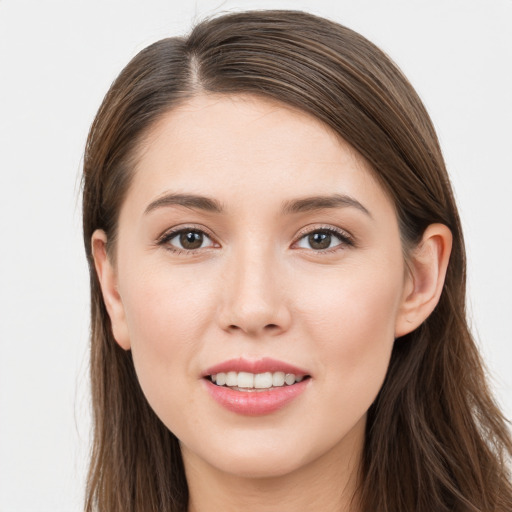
x: 435, y: 440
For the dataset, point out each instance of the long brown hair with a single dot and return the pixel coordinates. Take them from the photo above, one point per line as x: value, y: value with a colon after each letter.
x: 435, y: 440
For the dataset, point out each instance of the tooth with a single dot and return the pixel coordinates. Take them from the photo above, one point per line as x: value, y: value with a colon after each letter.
x: 278, y: 379
x: 263, y: 380
x: 259, y: 381
x: 289, y: 379
x: 245, y: 380
x: 231, y: 379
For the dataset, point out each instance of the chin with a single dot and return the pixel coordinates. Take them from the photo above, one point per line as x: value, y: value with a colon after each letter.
x: 260, y: 455
x: 259, y: 466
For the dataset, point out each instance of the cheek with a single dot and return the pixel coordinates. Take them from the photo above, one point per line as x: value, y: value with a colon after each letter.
x: 352, y: 324
x: 167, y: 314
x: 166, y: 308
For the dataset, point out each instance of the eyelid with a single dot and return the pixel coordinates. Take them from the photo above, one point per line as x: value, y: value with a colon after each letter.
x: 346, y: 239
x: 170, y: 233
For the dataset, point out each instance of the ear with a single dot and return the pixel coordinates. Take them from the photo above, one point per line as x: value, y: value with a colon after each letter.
x: 108, y: 282
x: 424, y: 283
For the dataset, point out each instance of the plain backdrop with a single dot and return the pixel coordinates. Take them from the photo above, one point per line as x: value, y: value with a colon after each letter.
x: 57, y: 60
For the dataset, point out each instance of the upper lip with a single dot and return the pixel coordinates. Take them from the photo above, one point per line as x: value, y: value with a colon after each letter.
x: 266, y: 364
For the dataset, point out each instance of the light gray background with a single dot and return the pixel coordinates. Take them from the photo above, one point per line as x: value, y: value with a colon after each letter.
x: 57, y: 60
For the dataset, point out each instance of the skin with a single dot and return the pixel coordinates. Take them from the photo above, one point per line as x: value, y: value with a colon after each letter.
x: 257, y: 288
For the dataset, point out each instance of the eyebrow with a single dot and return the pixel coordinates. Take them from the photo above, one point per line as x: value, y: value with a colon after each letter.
x: 187, y: 200
x: 306, y: 204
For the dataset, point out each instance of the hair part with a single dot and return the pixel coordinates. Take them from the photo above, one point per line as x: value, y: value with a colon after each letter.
x: 435, y: 440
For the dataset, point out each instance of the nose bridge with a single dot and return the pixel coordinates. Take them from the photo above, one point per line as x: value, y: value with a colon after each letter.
x: 253, y: 300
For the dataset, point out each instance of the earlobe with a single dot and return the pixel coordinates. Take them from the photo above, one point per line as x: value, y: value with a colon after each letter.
x: 427, y: 271
x: 108, y: 282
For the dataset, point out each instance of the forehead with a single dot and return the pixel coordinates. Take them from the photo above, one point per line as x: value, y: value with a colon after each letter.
x: 242, y: 148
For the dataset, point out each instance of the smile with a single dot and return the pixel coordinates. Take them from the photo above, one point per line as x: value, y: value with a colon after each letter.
x: 245, y: 381
x: 253, y: 388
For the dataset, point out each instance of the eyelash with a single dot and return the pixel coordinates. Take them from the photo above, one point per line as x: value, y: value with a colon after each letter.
x: 166, y: 237
x: 346, y: 240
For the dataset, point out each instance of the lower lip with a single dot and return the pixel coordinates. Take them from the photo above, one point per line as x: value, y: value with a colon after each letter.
x: 255, y: 403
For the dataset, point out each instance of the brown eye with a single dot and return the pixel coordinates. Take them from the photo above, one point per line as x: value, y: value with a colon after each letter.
x: 191, y: 239
x: 319, y: 240
x: 323, y: 239
x: 187, y: 240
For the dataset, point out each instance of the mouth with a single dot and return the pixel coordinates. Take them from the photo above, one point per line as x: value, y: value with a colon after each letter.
x: 254, y: 388
x: 255, y: 382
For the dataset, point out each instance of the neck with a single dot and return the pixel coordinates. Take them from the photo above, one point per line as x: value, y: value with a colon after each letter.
x: 327, y: 483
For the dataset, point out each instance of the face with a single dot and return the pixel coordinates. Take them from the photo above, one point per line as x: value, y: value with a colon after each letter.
x: 253, y: 241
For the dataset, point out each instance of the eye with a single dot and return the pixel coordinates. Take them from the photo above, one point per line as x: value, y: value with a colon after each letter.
x: 323, y: 239
x: 187, y: 240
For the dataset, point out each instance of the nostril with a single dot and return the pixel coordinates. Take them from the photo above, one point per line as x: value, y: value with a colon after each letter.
x: 267, y: 328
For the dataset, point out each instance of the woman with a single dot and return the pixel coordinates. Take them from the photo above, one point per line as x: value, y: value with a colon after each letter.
x: 278, y: 284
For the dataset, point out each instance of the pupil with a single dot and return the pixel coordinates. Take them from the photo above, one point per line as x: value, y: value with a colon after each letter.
x: 191, y: 240
x: 319, y: 240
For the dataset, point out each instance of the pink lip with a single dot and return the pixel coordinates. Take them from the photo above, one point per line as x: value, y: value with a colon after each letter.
x: 254, y: 403
x: 260, y: 366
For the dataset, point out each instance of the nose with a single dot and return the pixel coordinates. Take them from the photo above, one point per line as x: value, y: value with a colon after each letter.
x: 254, y: 298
